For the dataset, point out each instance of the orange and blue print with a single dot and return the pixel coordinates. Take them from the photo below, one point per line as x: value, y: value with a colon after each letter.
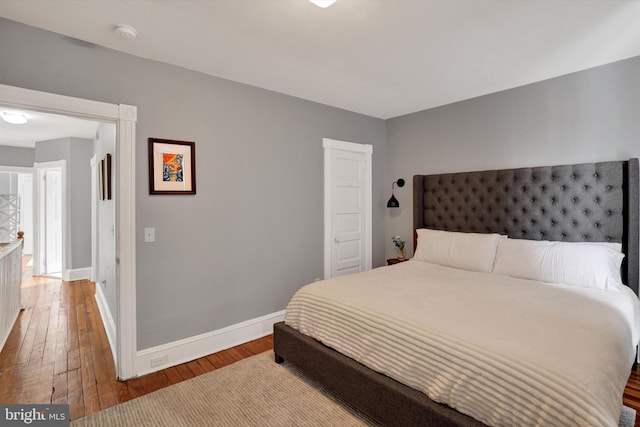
x: 172, y: 169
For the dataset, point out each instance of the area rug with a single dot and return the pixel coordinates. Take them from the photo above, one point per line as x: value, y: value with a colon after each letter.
x: 253, y: 392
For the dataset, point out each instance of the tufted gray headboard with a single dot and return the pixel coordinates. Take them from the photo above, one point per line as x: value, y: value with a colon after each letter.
x: 584, y: 202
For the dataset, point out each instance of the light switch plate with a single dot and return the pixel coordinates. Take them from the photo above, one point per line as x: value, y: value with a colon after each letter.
x: 149, y: 234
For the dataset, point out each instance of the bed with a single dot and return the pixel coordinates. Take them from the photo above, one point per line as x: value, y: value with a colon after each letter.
x: 595, y: 202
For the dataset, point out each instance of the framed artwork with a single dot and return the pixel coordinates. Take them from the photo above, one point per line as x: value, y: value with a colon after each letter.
x: 172, y: 166
x: 101, y: 179
x: 106, y: 176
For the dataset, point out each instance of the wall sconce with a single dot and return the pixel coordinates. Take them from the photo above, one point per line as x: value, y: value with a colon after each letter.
x: 393, y: 202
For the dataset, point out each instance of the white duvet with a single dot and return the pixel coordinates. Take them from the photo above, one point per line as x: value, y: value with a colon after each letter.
x: 505, y: 351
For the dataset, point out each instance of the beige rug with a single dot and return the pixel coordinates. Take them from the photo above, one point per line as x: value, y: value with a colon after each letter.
x: 253, y: 392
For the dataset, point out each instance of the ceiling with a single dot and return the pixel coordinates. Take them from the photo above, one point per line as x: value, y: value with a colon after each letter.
x: 43, y: 127
x: 382, y: 58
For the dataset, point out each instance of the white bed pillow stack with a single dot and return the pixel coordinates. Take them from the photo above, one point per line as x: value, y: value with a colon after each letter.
x: 583, y: 264
x: 587, y: 265
x: 467, y: 251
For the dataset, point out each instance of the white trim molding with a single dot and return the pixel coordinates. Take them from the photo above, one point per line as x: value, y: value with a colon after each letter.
x: 347, y: 146
x: 126, y: 240
x: 181, y: 351
x: 53, y: 103
x: 16, y: 169
x: 72, y: 274
x: 125, y: 117
x: 107, y: 319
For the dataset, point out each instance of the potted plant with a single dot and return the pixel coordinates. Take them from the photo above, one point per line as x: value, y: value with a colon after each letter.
x: 399, y: 244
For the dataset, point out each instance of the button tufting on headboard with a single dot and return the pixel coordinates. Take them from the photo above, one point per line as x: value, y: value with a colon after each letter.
x: 583, y: 202
x: 531, y: 195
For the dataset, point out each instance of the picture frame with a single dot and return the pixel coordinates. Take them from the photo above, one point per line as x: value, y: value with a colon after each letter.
x: 172, y: 167
x: 106, y: 177
x: 101, y: 180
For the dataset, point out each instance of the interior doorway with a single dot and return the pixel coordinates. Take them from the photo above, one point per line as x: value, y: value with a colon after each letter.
x: 50, y: 227
x: 347, y: 207
x: 125, y: 117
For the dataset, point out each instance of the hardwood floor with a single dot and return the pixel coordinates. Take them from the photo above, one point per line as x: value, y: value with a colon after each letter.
x: 631, y: 396
x: 58, y: 352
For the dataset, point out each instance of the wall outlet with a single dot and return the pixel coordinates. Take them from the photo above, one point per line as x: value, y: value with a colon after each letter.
x: 159, y: 360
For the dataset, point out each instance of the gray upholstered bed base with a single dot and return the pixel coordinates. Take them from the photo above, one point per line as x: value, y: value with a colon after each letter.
x: 385, y: 400
x: 588, y: 202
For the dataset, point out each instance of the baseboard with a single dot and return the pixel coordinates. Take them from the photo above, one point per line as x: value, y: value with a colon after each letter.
x: 107, y: 320
x: 181, y: 351
x: 76, y: 274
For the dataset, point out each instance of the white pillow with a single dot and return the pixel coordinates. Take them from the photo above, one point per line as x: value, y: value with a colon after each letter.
x: 467, y: 251
x: 586, y: 265
x: 615, y: 246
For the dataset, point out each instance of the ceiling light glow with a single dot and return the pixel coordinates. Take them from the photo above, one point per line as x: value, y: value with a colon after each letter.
x: 14, y: 118
x: 323, y: 3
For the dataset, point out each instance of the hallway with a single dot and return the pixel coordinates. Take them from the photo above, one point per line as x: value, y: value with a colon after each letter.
x: 57, y: 351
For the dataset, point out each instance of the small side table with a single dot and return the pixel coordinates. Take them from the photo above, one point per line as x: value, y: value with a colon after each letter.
x: 392, y: 261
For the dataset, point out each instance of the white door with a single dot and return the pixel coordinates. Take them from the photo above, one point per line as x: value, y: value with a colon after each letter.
x: 52, y: 221
x: 49, y: 200
x: 347, y: 207
x: 94, y: 219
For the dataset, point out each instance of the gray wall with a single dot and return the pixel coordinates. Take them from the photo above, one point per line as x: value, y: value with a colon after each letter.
x: 80, y: 201
x: 253, y: 234
x: 52, y: 150
x: 593, y: 115
x: 77, y: 152
x: 16, y: 156
x: 8, y: 183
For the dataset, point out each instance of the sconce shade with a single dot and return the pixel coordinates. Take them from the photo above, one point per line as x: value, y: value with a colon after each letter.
x: 393, y: 202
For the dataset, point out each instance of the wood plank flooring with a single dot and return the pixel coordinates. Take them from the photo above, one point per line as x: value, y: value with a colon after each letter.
x: 631, y: 396
x: 58, y: 352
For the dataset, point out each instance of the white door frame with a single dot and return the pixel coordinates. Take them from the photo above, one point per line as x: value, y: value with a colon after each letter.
x: 38, y: 229
x: 329, y: 145
x: 124, y: 116
x: 93, y: 165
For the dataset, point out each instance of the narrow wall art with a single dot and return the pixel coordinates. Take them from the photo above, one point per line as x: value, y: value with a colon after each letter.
x: 106, y: 178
